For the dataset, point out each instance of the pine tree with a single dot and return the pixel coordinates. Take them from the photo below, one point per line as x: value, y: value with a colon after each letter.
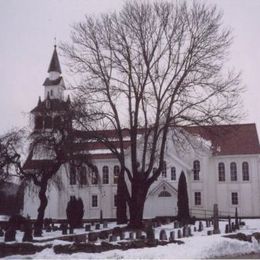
x: 183, y: 201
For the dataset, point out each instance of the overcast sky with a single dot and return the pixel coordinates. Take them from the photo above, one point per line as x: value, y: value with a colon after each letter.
x: 28, y: 28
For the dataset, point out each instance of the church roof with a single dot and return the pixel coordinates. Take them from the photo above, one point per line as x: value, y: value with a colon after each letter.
x: 55, y: 105
x: 54, y: 64
x: 229, y: 139
x: 49, y: 82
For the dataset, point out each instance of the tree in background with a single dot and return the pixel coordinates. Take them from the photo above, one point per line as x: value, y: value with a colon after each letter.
x: 183, y: 200
x: 145, y: 70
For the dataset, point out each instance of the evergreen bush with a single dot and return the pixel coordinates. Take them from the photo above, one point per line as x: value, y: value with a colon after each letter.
x: 75, y: 212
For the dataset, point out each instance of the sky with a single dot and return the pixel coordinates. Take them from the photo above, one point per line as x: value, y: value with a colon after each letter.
x: 28, y: 29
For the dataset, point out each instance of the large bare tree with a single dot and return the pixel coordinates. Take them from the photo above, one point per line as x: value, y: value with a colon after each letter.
x: 145, y: 69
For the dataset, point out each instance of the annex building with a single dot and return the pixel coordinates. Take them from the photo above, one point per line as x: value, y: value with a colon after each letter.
x: 223, y: 167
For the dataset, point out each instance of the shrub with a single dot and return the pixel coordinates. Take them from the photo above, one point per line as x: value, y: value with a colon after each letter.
x: 75, y: 212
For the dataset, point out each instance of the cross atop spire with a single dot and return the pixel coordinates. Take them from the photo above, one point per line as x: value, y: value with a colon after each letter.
x: 54, y: 64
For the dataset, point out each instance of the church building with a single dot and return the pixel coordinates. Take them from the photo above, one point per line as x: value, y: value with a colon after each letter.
x: 222, y: 167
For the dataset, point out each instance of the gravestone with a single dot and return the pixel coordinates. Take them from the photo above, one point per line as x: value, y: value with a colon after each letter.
x: 150, y: 233
x: 87, y: 227
x: 233, y: 227
x: 172, y: 236
x: 104, y: 224
x: 216, y: 229
x: 227, y: 228
x: 138, y: 234
x: 27, y: 237
x: 209, y: 232
x: 163, y: 235
x: 195, y: 229
x: 179, y: 233
x: 200, y: 226
x: 92, y: 237
x: 122, y: 236
x: 48, y: 228
x: 189, y: 231
x: 103, y: 234
x: 97, y: 226
x: 64, y: 229
x: 113, y: 238
x: 10, y: 234
x: 184, y: 231
x: 131, y: 235
x: 71, y: 230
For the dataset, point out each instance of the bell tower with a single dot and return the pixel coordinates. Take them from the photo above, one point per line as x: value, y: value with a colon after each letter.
x: 53, y: 111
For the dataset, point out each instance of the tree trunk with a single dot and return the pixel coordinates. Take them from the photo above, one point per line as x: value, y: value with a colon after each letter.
x: 121, y: 200
x: 41, y: 209
x: 139, y: 192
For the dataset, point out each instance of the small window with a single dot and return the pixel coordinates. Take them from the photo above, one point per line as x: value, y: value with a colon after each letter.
x: 164, y: 170
x: 83, y: 175
x: 164, y: 194
x: 94, y: 177
x: 115, y: 200
x: 196, y: 170
x: 116, y: 173
x: 94, y: 202
x: 221, y: 171
x: 245, y: 171
x: 105, y: 175
x: 197, y: 198
x: 233, y: 171
x: 72, y: 175
x: 173, y: 173
x: 234, y: 198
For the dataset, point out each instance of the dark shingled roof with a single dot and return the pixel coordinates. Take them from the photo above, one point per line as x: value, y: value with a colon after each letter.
x: 49, y: 82
x: 55, y: 105
x: 230, y: 139
x: 55, y: 64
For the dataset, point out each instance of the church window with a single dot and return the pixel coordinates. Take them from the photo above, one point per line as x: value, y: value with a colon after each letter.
x: 83, y: 175
x: 233, y: 171
x: 221, y: 171
x: 48, y: 122
x: 105, y: 175
x: 196, y: 170
x: 116, y: 173
x: 115, y: 200
x: 245, y: 171
x: 173, y: 173
x: 94, y: 177
x: 164, y: 193
x: 234, y: 198
x: 38, y: 122
x: 94, y: 202
x: 72, y: 175
x: 197, y: 198
x: 164, y: 170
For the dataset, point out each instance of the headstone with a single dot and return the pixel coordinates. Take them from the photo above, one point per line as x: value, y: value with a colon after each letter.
x: 1, y: 232
x: 184, y: 231
x: 195, y: 229
x: 64, y: 229
x: 87, y: 227
x: 200, y: 226
x: 104, y: 224
x: 189, y: 231
x: 150, y: 233
x: 97, y: 226
x: 227, y: 228
x: 131, y: 235
x: 27, y: 237
x: 10, y: 234
x: 172, y: 236
x: 103, y: 234
x: 71, y: 230
x: 163, y: 235
x: 92, y: 237
x: 122, y: 236
x: 113, y: 238
x: 138, y: 234
x: 216, y: 229
x: 179, y: 233
x: 48, y: 228
x: 209, y: 232
x: 233, y: 227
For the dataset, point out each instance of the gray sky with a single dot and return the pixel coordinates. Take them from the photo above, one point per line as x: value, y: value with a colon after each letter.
x: 28, y: 28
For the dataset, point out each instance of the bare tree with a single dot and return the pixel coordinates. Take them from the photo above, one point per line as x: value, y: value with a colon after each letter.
x: 146, y: 69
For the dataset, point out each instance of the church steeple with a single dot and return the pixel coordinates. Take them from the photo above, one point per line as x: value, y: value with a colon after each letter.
x: 54, y: 64
x: 54, y: 84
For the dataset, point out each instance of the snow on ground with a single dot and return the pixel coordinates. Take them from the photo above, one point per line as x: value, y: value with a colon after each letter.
x: 198, y: 246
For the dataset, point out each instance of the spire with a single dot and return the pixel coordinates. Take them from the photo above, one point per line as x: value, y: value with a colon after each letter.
x: 39, y: 101
x: 55, y: 64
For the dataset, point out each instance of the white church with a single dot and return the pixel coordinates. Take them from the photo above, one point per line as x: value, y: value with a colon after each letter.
x: 224, y: 168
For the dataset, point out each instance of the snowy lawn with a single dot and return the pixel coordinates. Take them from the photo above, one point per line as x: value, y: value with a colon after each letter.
x: 198, y: 246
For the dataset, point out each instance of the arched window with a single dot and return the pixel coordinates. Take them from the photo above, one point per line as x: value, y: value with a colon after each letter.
x: 105, y: 171
x: 94, y: 176
x: 38, y: 122
x: 164, y: 193
x: 233, y: 171
x: 221, y: 171
x: 196, y: 170
x: 245, y: 171
x: 57, y: 122
x: 116, y: 173
x: 173, y: 173
x: 164, y: 170
x: 83, y: 175
x: 72, y: 175
x: 48, y: 122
